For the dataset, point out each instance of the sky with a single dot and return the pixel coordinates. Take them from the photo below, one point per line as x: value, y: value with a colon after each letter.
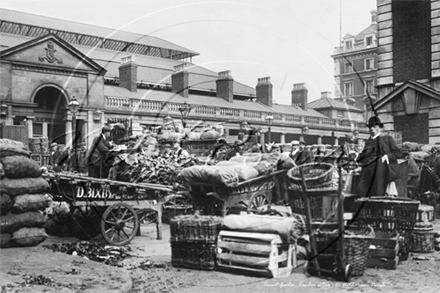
x: 290, y: 41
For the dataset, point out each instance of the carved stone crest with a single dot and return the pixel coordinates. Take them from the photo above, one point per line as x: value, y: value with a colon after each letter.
x: 50, y: 54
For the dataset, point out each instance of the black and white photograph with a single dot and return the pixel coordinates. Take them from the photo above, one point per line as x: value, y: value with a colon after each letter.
x: 204, y: 146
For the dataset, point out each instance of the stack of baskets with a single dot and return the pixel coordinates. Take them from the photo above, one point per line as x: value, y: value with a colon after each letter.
x: 389, y: 215
x: 356, y: 244
x: 317, y: 176
x: 422, y: 238
x: 193, y: 241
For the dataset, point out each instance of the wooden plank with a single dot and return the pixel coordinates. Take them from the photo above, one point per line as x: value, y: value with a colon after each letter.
x: 251, y: 235
x: 383, y: 252
x: 245, y: 247
x: 244, y: 259
x: 382, y: 263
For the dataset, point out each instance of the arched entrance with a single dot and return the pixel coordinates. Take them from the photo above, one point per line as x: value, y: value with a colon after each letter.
x: 50, y: 114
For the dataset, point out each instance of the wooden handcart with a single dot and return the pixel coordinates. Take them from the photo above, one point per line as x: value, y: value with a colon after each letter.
x: 113, y: 208
x: 253, y: 194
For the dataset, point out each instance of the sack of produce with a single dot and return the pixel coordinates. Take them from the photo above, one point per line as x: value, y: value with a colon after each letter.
x: 194, y: 174
x: 246, y: 172
x: 20, y: 167
x: 285, y: 162
x: 61, y: 214
x: 6, y: 203
x: 2, y: 171
x: 31, y: 202
x: 9, y: 147
x: 53, y: 228
x: 5, y: 240
x: 247, y: 158
x: 264, y: 168
x: 29, y: 236
x: 411, y: 146
x: 210, y: 135
x: 419, y: 156
x: 193, y: 136
x: 15, y: 187
x: 12, y: 222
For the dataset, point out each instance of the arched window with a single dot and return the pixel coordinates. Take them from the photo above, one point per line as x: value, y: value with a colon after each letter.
x: 51, y: 99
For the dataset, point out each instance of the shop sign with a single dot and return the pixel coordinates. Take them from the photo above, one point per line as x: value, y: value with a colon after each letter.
x: 93, y: 192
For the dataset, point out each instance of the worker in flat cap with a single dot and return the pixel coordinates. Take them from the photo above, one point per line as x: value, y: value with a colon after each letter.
x: 98, y: 152
x: 299, y: 154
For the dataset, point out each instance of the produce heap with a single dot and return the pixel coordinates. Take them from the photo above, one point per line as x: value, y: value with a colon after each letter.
x: 23, y: 196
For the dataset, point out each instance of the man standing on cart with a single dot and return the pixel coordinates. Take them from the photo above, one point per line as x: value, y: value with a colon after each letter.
x: 97, y: 156
x: 378, y: 161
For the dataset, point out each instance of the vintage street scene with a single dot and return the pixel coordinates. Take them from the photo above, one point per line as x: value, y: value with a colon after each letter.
x: 220, y: 146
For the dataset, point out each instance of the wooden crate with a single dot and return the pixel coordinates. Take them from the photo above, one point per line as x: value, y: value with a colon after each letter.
x: 386, y: 253
x: 260, y: 253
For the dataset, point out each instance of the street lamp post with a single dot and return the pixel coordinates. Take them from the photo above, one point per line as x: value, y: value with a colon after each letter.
x: 269, y: 121
x: 184, y: 110
x: 74, y: 107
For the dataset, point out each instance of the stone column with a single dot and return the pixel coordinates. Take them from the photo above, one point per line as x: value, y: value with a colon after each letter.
x: 45, y: 129
x: 336, y: 140
x: 283, y: 138
x: 30, y: 125
x: 319, y: 139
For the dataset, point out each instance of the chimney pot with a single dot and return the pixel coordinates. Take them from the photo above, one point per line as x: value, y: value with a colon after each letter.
x: 299, y: 95
x: 180, y: 80
x: 326, y: 95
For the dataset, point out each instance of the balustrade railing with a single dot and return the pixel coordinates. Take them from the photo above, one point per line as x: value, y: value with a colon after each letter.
x: 202, y: 110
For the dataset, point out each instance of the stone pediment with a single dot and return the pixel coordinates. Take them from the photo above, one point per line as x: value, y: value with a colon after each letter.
x: 51, y: 51
x: 409, y: 97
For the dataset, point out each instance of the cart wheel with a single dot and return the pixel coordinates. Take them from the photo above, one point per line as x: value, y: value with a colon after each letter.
x: 257, y: 200
x: 345, y: 273
x: 85, y: 220
x: 119, y: 224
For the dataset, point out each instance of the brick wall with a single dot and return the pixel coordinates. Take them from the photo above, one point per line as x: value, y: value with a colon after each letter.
x: 411, y: 40
x: 414, y: 128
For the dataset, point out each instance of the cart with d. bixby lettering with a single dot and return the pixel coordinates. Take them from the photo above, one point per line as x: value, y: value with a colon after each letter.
x: 112, y: 208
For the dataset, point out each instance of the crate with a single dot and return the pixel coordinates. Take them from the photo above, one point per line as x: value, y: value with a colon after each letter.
x: 193, y: 255
x: 195, y: 228
x: 422, y: 238
x: 262, y: 254
x: 169, y: 212
x: 390, y: 215
x: 385, y: 255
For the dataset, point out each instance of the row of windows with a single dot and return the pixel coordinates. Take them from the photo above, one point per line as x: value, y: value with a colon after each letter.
x: 369, y: 86
x: 368, y: 65
x: 368, y: 41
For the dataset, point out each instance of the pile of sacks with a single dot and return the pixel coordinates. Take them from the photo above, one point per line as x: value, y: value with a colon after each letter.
x: 23, y: 196
x: 237, y: 169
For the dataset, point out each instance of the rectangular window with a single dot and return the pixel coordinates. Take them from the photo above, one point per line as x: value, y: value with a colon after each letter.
x: 348, y: 68
x: 369, y: 86
x: 38, y: 129
x: 369, y: 41
x: 369, y: 65
x: 340, y: 113
x: 348, y: 89
x: 348, y: 44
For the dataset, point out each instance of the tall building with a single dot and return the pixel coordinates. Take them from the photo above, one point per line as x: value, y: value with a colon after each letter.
x: 409, y: 68
x: 46, y: 62
x: 356, y: 67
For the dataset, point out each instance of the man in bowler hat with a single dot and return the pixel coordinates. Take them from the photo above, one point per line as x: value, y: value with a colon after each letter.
x: 378, y: 161
x: 97, y: 155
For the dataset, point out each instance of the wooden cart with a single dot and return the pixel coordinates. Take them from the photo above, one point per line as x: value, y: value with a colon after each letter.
x: 113, y: 208
x: 253, y: 193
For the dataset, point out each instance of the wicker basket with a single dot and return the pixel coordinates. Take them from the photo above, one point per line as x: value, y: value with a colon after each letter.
x: 422, y: 238
x: 356, y: 244
x: 388, y: 214
x: 316, y: 175
x: 170, y: 212
x: 193, y: 255
x: 195, y: 228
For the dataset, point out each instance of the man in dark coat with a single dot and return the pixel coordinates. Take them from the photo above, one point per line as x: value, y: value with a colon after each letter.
x: 378, y: 161
x: 97, y: 156
x: 302, y: 156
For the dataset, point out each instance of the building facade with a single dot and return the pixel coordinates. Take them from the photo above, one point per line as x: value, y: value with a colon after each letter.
x: 409, y: 68
x: 46, y: 62
x: 356, y: 68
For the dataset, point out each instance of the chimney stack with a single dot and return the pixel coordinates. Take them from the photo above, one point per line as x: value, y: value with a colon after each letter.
x: 264, y: 91
x: 299, y: 95
x: 128, y: 73
x: 225, y: 86
x: 180, y: 80
x: 326, y: 95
